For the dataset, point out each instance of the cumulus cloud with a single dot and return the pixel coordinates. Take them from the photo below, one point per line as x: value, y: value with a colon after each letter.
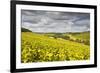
x: 53, y: 21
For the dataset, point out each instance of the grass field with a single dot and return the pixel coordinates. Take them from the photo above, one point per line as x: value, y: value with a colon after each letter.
x: 44, y: 47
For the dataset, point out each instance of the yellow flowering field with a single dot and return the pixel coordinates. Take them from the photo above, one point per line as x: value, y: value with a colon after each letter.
x: 41, y: 48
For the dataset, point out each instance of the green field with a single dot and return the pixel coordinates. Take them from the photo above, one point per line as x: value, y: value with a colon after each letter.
x: 44, y: 47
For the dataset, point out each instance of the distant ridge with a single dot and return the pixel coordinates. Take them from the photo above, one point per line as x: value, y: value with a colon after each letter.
x: 25, y: 30
x: 60, y: 33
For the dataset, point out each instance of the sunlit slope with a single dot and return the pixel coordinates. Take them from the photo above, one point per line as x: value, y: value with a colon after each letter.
x: 83, y: 36
x: 80, y: 37
x: 39, y: 48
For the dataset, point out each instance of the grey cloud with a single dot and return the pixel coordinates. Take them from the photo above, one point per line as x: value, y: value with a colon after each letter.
x: 50, y: 21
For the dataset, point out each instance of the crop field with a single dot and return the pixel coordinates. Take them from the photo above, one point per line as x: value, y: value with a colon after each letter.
x: 48, y: 47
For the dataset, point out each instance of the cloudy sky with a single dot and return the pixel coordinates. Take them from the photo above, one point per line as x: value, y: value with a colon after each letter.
x: 54, y: 21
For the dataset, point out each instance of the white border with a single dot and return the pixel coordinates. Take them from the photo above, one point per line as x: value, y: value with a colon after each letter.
x: 20, y: 65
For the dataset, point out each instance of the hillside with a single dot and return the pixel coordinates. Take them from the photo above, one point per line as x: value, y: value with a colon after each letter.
x: 25, y: 30
x: 41, y: 48
x: 80, y: 37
